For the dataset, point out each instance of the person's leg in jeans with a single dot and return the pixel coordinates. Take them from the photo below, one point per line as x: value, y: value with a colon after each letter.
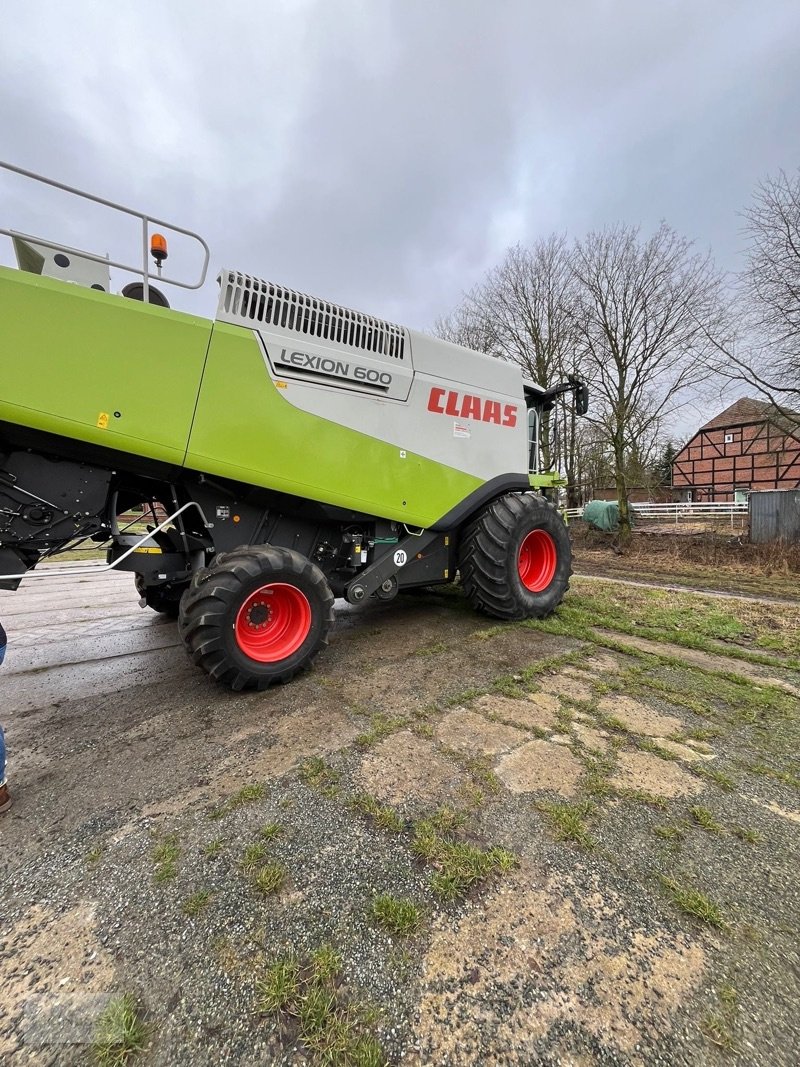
x: 5, y: 799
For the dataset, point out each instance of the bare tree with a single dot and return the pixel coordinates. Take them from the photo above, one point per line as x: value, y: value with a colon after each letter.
x: 524, y: 311
x: 465, y: 326
x: 764, y: 349
x: 594, y: 469
x: 648, y: 309
x: 773, y: 273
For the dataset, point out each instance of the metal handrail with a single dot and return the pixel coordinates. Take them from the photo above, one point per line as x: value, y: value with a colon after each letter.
x: 144, y: 272
x: 53, y: 573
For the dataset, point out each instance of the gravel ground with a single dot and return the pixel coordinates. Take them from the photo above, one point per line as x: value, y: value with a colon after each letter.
x: 545, y: 744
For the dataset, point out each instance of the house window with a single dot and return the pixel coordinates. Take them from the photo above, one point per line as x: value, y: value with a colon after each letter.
x: 728, y: 438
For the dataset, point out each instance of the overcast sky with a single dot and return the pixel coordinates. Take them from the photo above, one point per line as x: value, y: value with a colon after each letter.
x: 385, y: 154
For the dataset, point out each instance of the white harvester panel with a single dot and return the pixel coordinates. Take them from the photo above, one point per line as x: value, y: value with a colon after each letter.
x: 313, y: 341
x: 449, y: 404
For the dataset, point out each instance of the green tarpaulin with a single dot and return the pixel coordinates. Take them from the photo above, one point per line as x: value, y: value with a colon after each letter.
x: 602, y: 515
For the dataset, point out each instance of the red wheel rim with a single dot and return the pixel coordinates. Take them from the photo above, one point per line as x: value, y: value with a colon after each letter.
x: 273, y: 622
x: 537, y: 560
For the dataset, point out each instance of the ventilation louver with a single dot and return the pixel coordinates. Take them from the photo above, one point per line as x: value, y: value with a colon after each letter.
x: 256, y: 301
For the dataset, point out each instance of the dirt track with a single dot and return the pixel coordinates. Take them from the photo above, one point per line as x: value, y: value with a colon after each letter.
x: 578, y: 953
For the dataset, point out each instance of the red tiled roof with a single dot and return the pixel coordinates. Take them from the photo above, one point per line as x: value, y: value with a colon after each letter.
x: 744, y: 410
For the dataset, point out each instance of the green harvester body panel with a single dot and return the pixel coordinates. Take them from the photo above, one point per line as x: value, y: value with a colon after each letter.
x: 177, y: 388
x: 73, y: 357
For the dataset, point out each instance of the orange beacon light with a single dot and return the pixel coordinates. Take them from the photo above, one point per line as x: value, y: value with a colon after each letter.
x: 158, y: 248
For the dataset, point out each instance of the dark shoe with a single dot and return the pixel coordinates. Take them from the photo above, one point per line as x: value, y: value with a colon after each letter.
x: 5, y: 799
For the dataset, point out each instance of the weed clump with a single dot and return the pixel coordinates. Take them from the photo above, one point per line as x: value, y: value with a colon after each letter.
x: 120, y: 1032
x: 316, y: 773
x: 309, y: 993
x: 568, y: 821
x: 695, y: 903
x: 381, y: 726
x: 703, y: 817
x: 248, y: 794
x: 195, y: 903
x: 269, y: 878
x: 457, y: 865
x: 165, y: 856
x: 399, y: 916
x: 384, y: 816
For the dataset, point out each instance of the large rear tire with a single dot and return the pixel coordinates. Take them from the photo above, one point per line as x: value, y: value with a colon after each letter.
x: 258, y: 615
x: 515, y: 558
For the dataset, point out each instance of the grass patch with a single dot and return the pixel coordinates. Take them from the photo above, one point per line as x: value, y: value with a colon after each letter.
x: 280, y: 987
x: 703, y: 733
x: 568, y: 821
x: 778, y: 776
x: 553, y: 664
x: 688, y: 621
x: 466, y: 696
x: 703, y: 817
x: 648, y: 745
x: 642, y: 796
x: 271, y: 830
x: 478, y: 768
x: 248, y: 794
x: 195, y: 903
x: 472, y: 795
x: 381, y: 726
x: 253, y: 855
x: 444, y: 821
x: 508, y: 686
x: 398, y: 915
x: 611, y: 722
x: 269, y: 878
x: 694, y: 903
x: 384, y: 816
x: 332, y: 1028
x: 563, y: 719
x: 316, y: 773
x: 670, y: 831
x: 718, y: 1026
x: 720, y: 778
x: 166, y: 853
x: 120, y: 1032
x: 598, y: 772
x: 701, y: 691
x: 431, y: 650
x: 752, y: 837
x: 94, y: 854
x: 326, y: 961
x: 213, y: 848
x: 457, y: 865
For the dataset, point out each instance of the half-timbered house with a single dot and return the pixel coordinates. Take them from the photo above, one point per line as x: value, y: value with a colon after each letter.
x: 749, y: 446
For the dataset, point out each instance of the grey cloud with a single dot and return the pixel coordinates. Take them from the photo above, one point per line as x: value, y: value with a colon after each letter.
x: 385, y: 154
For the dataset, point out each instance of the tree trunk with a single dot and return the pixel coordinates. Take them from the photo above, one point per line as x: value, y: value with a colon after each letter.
x: 622, y: 496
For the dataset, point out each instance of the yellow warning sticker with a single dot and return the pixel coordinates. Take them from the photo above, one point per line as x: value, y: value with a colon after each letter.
x: 102, y: 420
x: 149, y: 551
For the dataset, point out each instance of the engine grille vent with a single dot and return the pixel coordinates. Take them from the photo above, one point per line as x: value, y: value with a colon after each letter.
x: 256, y: 301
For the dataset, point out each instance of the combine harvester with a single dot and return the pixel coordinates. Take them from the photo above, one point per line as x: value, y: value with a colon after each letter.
x: 301, y: 451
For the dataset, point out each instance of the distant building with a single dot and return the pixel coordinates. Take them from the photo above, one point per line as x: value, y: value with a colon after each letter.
x: 749, y: 446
